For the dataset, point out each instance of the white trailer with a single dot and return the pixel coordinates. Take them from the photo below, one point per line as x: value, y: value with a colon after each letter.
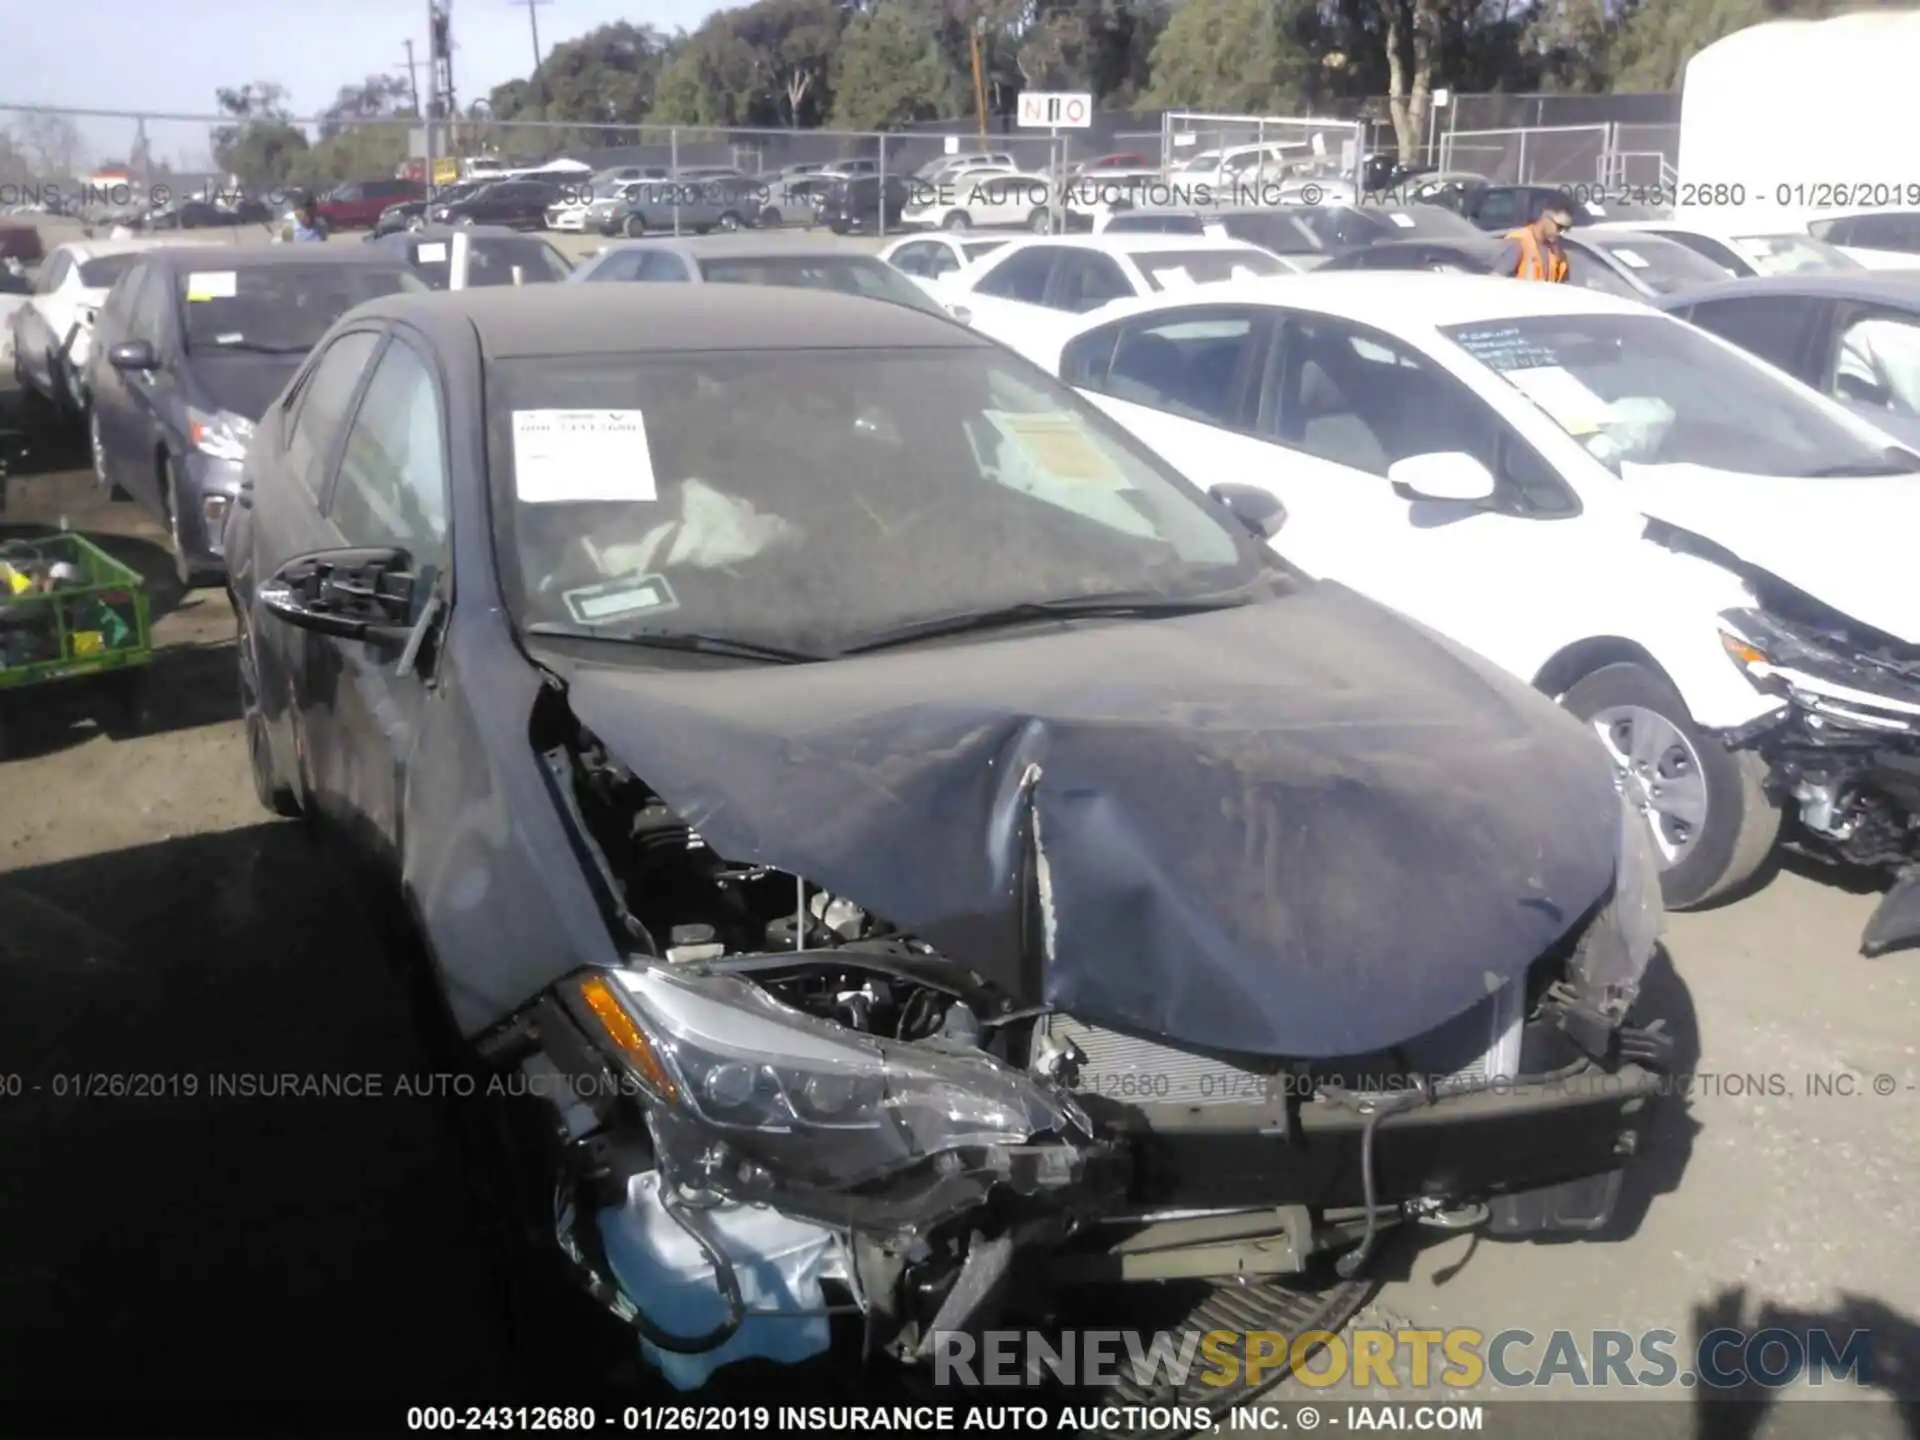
x: 1783, y: 122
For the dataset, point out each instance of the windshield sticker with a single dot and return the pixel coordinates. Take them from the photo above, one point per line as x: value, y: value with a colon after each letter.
x: 618, y: 599
x: 434, y: 252
x: 1058, y: 446
x: 1172, y: 277
x: 1632, y: 259
x: 1593, y: 209
x: 1575, y: 408
x: 212, y: 285
x: 570, y: 456
x: 1405, y: 222
x: 1504, y: 349
x: 232, y: 337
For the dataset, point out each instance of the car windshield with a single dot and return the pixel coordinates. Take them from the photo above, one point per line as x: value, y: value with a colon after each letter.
x: 1793, y: 255
x: 849, y: 274
x: 100, y: 272
x: 1282, y: 232
x: 1662, y: 265
x: 491, y: 260
x: 1176, y: 269
x: 814, y: 500
x: 974, y: 249
x: 1649, y: 390
x: 1422, y: 222
x: 282, y: 309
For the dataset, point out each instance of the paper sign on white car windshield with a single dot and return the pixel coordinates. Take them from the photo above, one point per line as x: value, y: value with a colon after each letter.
x: 1405, y: 222
x: 1059, y: 447
x: 579, y: 455
x: 434, y: 252
x: 212, y: 285
x: 1632, y: 259
x: 1172, y: 277
x: 1574, y: 407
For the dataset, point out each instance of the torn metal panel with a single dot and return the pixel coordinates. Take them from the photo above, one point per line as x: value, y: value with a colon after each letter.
x: 1305, y: 827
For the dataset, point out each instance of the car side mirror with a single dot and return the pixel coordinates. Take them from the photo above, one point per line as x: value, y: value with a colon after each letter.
x: 1450, y: 475
x: 1862, y: 391
x: 348, y: 594
x: 133, y: 355
x: 1260, y: 511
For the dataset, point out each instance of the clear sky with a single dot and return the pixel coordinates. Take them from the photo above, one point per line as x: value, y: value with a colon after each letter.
x: 171, y: 55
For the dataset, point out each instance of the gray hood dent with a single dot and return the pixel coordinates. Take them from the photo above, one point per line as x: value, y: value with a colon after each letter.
x: 1303, y: 828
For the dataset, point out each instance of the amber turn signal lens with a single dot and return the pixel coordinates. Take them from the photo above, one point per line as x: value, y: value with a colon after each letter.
x: 627, y: 1036
x: 1741, y: 650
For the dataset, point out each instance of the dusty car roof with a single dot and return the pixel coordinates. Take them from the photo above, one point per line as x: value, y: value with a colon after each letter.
x: 740, y: 247
x: 396, y: 238
x: 1899, y: 288
x: 647, y: 319
x: 1394, y: 300
x: 237, y: 257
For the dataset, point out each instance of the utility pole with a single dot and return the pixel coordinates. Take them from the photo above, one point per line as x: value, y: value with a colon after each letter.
x: 440, y: 104
x: 532, y: 8
x: 979, y: 82
x: 413, y: 82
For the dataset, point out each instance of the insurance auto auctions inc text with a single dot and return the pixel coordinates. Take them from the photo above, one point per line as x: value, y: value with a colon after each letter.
x: 1458, y: 1359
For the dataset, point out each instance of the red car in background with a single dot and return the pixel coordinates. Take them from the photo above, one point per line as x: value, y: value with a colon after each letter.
x: 357, y: 205
x: 20, y: 242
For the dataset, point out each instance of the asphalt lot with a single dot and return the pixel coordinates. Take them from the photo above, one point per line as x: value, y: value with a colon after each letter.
x: 239, y: 1263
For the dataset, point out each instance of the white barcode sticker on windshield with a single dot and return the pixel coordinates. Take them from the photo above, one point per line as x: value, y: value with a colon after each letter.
x: 212, y: 285
x: 1405, y: 222
x: 1632, y: 259
x: 562, y: 456
x: 431, y: 253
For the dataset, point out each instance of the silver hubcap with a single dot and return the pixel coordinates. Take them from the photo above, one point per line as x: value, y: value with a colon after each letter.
x: 1660, y: 775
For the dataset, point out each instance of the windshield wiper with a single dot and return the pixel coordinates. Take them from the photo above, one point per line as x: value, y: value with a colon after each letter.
x: 1115, y: 606
x: 679, y: 640
x: 258, y: 346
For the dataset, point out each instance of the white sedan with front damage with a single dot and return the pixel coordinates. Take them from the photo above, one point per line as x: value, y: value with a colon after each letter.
x: 52, y: 327
x: 1022, y: 292
x: 1704, y: 559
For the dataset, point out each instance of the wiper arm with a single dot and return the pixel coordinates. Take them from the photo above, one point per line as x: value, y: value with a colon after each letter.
x: 257, y: 346
x: 1136, y: 605
x: 691, y: 643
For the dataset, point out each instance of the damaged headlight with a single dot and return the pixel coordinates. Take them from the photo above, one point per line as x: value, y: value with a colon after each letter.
x: 813, y: 1102
x: 1614, y: 952
x: 1779, y: 660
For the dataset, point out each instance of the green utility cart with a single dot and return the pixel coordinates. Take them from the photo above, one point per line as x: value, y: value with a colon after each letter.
x: 74, y: 625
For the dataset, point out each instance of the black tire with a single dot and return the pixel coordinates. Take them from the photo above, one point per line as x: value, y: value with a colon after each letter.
x: 126, y: 712
x: 1040, y: 222
x: 770, y: 218
x: 1743, y: 820
x: 633, y: 227
x: 957, y: 220
x: 728, y: 223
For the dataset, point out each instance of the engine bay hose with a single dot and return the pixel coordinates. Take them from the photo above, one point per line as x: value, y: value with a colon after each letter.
x: 724, y: 1277
x: 1352, y: 1263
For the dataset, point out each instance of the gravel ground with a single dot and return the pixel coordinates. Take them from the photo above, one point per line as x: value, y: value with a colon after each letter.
x: 154, y: 921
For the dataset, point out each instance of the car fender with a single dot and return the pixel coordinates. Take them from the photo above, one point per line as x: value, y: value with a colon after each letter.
x: 1666, y: 608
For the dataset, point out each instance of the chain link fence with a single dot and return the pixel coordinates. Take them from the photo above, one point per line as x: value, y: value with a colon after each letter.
x: 1261, y: 150
x: 111, y: 166
x: 1550, y: 155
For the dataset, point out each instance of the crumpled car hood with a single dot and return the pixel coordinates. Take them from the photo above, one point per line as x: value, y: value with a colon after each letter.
x: 1305, y: 828
x: 1845, y: 540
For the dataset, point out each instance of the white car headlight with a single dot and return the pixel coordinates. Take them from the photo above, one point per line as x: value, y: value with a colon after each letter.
x: 221, y: 433
x: 748, y: 1088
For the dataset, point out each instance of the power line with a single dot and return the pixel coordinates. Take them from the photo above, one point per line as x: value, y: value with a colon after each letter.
x: 532, y: 7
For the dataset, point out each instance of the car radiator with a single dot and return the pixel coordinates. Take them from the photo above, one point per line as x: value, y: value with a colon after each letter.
x: 1470, y: 1051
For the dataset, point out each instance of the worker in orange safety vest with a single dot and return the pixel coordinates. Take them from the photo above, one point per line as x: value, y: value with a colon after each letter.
x: 1534, y: 251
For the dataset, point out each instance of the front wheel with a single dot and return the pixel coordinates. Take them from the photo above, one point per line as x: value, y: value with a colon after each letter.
x: 729, y: 222
x: 633, y: 227
x: 1040, y: 222
x: 1713, y: 822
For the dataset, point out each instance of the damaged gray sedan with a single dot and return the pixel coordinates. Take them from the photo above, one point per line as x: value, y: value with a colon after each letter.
x: 901, y: 836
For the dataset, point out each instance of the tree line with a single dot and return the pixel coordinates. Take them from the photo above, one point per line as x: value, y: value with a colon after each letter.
x: 888, y: 64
